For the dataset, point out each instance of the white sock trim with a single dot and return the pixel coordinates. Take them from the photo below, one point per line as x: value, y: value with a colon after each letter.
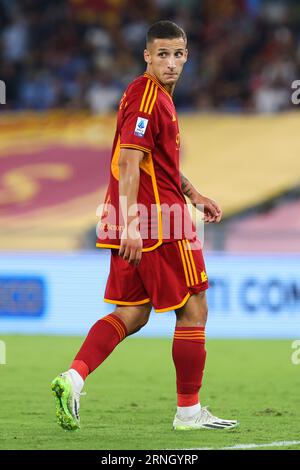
x: 187, y: 412
x: 77, y: 380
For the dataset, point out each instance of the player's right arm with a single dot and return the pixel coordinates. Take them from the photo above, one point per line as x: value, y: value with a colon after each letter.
x: 129, y: 180
x: 139, y: 128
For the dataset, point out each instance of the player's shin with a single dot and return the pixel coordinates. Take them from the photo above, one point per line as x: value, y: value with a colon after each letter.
x: 189, y: 356
x: 101, y: 340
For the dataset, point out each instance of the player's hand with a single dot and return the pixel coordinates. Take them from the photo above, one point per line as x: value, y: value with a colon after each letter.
x: 212, y: 211
x: 131, y: 247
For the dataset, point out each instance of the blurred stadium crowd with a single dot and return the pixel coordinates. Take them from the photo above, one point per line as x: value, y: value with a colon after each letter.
x: 81, y: 54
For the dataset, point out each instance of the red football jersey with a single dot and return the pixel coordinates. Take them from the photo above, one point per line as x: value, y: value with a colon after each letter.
x: 147, y: 121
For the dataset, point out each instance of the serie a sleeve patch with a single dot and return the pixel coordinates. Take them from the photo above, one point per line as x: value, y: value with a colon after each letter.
x: 140, y: 127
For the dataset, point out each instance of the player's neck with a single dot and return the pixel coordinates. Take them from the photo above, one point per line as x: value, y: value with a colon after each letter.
x: 168, y: 88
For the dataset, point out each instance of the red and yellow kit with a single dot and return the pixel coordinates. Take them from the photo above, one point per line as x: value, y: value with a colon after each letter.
x: 166, y: 277
x: 147, y: 121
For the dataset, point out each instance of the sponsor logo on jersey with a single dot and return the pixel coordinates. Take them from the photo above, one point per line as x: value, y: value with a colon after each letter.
x: 140, y: 127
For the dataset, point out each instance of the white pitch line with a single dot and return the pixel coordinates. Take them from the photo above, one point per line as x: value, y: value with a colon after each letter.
x: 271, y: 444
x: 249, y: 446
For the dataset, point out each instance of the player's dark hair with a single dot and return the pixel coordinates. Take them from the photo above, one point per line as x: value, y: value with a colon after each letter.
x: 165, y: 30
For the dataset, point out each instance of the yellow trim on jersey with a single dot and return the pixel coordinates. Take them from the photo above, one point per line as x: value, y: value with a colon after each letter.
x: 120, y: 302
x: 158, y: 84
x: 133, y: 146
x: 154, y: 99
x: 148, y: 166
x: 184, y: 264
x: 144, y: 250
x: 115, y: 159
x: 188, y: 263
x: 193, y: 262
x: 174, y: 307
x: 145, y: 94
x: 145, y: 110
x: 114, y: 167
x: 107, y: 245
x: 149, y: 97
x: 151, y: 248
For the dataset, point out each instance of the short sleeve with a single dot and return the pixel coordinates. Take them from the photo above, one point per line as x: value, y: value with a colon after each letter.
x: 139, y: 126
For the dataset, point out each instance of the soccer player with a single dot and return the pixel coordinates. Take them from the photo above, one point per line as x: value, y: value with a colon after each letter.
x: 161, y: 268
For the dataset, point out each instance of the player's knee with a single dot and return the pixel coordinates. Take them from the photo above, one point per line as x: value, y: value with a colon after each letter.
x: 204, y: 313
x: 134, y: 318
x: 137, y: 324
x: 198, y: 317
x: 142, y: 319
x: 193, y: 313
x: 139, y: 327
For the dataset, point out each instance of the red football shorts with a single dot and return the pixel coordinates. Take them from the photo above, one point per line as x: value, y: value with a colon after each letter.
x: 166, y: 277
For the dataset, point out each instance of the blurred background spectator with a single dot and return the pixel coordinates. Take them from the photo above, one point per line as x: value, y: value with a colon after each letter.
x: 81, y: 54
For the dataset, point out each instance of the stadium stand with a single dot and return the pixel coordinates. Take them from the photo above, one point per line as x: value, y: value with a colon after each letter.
x: 81, y: 54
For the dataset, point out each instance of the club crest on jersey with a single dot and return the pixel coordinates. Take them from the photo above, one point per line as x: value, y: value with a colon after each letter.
x: 140, y: 127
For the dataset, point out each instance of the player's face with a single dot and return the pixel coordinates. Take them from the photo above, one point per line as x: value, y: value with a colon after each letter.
x: 166, y: 58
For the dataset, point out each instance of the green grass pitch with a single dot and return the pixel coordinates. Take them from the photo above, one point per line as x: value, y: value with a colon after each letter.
x: 130, y: 402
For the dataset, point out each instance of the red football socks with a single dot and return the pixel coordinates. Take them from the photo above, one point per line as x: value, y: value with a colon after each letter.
x: 189, y: 359
x: 101, y: 340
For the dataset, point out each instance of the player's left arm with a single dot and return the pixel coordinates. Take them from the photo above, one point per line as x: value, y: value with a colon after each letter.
x: 212, y: 211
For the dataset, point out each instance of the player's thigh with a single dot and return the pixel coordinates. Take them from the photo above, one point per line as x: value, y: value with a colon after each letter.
x: 194, y: 311
x: 134, y: 316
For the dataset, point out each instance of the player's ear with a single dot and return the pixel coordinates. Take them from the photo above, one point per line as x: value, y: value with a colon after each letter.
x: 147, y: 56
x: 186, y: 55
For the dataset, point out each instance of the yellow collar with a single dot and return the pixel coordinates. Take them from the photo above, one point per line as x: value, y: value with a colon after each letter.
x: 158, y: 84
